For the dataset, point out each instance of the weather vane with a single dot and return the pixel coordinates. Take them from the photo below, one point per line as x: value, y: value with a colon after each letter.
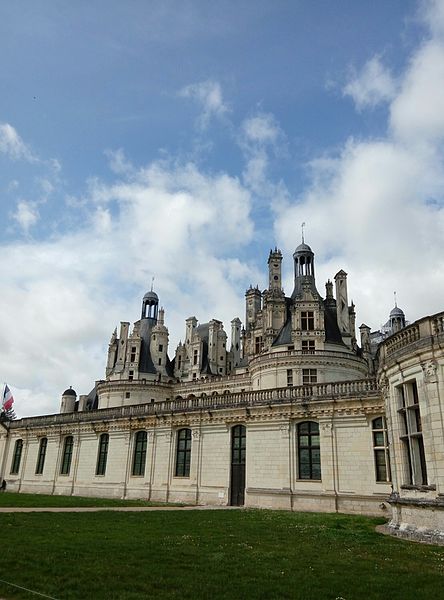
x: 302, y: 228
x: 152, y: 282
x: 396, y: 305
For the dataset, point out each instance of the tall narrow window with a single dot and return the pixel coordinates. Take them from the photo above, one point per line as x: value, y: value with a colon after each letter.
x: 289, y: 377
x: 16, y: 459
x: 258, y: 344
x: 67, y: 455
x: 102, y: 454
x: 139, y: 459
x: 41, y: 456
x: 380, y: 449
x: 183, y: 453
x: 411, y: 436
x: 133, y: 354
x: 309, y: 453
x: 307, y: 320
x: 195, y: 357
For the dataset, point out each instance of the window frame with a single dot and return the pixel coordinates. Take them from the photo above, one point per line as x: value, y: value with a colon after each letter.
x: 68, y: 446
x: 183, y: 452
x: 41, y: 456
x: 307, y: 320
x: 310, y: 450
x: 381, y: 450
x: 102, y: 454
x: 412, y: 434
x: 17, y: 457
x: 309, y: 376
x: 139, y: 453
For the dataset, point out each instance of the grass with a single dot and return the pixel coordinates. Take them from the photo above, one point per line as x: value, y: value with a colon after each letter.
x: 228, y: 555
x: 12, y: 499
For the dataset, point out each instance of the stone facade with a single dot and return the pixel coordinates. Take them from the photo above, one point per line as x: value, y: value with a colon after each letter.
x: 289, y: 416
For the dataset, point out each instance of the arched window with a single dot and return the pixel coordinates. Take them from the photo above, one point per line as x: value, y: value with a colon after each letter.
x: 139, y: 459
x: 183, y: 453
x: 380, y: 449
x: 16, y: 459
x: 67, y: 455
x: 309, y: 454
x: 41, y: 456
x: 102, y: 454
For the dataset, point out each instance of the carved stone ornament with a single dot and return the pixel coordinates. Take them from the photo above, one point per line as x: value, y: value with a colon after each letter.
x: 285, y: 430
x: 429, y: 369
x: 196, y: 434
x: 384, y: 386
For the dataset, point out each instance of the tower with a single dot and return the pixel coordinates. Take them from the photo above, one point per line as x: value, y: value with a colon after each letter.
x: 304, y: 271
x: 275, y: 270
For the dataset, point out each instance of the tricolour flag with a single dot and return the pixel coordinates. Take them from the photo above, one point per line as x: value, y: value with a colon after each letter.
x: 8, y: 398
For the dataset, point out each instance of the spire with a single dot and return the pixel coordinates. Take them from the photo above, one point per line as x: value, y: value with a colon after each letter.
x: 302, y: 230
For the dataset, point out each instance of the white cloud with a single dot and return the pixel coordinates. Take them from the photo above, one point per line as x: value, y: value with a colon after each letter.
x: 372, y: 86
x: 65, y: 296
x: 376, y: 208
x: 209, y: 95
x: 12, y: 144
x: 26, y: 215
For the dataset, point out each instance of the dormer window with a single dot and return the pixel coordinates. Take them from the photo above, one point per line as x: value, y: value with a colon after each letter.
x: 307, y: 320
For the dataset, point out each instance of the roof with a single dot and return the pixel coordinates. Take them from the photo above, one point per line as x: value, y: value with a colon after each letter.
x: 151, y: 296
x: 69, y: 392
x: 397, y: 312
x: 303, y: 248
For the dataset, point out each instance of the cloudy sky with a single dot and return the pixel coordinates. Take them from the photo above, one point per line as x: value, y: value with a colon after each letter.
x: 183, y: 140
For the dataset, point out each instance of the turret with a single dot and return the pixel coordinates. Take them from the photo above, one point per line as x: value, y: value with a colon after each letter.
x: 304, y: 272
x: 159, y: 344
x: 68, y: 403
x: 235, y: 341
x: 253, y: 302
x: 150, y: 304
x: 274, y: 270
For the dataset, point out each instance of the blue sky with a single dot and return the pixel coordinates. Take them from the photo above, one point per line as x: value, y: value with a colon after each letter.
x: 182, y: 140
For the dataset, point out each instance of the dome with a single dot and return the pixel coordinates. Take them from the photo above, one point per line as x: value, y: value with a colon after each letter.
x: 397, y: 312
x: 303, y: 248
x: 151, y: 296
x: 69, y: 392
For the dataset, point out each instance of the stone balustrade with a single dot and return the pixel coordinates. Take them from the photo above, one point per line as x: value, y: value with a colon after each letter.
x: 302, y: 394
x: 413, y: 334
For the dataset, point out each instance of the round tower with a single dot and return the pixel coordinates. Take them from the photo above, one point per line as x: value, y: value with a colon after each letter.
x: 68, y: 402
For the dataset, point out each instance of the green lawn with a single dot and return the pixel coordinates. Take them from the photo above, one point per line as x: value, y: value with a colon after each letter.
x: 212, y: 554
x: 11, y: 499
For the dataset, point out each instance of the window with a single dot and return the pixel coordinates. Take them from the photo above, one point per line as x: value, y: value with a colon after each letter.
x: 308, y: 347
x: 307, y: 320
x: 16, y: 459
x: 289, y: 378
x: 133, y: 354
x: 160, y: 347
x: 411, y: 436
x: 131, y: 375
x: 127, y: 394
x: 102, y: 454
x: 41, y: 456
x: 160, y: 361
x: 309, y: 376
x: 195, y: 357
x: 258, y: 344
x: 67, y: 455
x: 179, y: 362
x: 139, y: 459
x: 380, y: 449
x: 183, y: 453
x: 309, y: 454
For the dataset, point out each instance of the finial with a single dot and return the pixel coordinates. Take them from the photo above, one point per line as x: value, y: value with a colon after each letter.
x: 152, y: 282
x: 396, y: 305
x: 302, y: 228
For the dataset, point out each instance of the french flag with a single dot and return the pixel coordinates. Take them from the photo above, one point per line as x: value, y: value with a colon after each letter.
x: 8, y: 398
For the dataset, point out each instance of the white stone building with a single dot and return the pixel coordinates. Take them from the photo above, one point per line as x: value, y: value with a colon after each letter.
x: 291, y: 415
